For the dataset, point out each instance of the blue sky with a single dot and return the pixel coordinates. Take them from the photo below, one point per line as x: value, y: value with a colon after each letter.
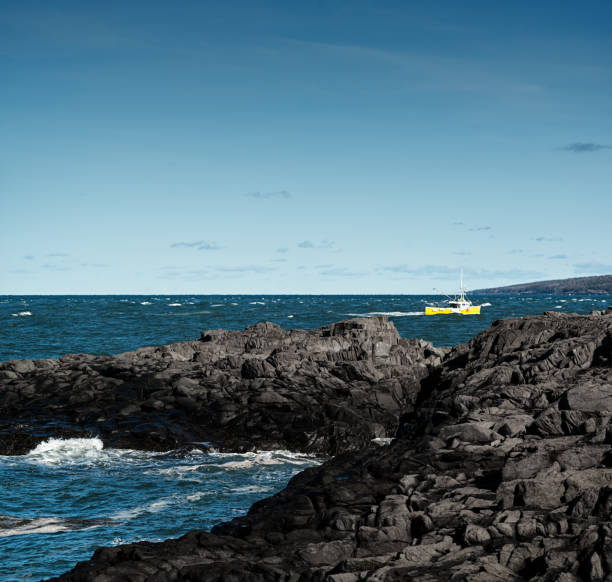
x: 302, y: 147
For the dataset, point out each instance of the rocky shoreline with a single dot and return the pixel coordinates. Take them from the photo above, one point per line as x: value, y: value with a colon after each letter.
x: 324, y: 391
x: 501, y: 467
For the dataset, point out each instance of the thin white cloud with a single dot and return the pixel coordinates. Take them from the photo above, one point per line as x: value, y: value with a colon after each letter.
x: 200, y: 245
x: 548, y: 239
x: 592, y: 268
x: 280, y: 194
x: 341, y: 272
x: 445, y: 272
x: 245, y: 269
x: 308, y: 244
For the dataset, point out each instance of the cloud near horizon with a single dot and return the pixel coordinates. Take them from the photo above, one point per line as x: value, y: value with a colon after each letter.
x: 341, y: 272
x: 200, y: 245
x: 592, y: 268
x: 549, y: 239
x: 308, y: 244
x: 585, y: 147
x: 445, y: 272
x: 282, y: 194
x: 245, y: 269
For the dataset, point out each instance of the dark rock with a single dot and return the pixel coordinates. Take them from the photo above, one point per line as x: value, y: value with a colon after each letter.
x: 501, y: 468
x: 323, y: 391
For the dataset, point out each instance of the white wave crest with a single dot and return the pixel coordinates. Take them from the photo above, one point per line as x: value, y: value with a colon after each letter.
x: 280, y: 457
x: 485, y: 305
x: 22, y: 314
x: 257, y: 303
x: 16, y: 526
x: 58, y: 451
x: 252, y: 489
x: 154, y: 507
x: 174, y: 304
x: 145, y: 303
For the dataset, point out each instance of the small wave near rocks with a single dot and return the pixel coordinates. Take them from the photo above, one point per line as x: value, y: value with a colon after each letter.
x: 94, y: 496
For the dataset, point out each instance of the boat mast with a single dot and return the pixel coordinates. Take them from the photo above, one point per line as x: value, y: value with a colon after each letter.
x: 462, y: 289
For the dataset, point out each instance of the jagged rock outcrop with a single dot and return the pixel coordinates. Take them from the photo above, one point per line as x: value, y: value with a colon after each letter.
x: 502, y: 470
x: 323, y: 391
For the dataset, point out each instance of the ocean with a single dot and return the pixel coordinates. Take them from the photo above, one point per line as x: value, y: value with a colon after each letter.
x: 67, y: 497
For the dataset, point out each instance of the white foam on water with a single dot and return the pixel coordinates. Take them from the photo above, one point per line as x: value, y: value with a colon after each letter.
x: 35, y: 526
x: 85, y: 451
x: 217, y: 305
x: 290, y: 316
x: 154, y: 507
x: 22, y: 314
x: 252, y: 489
x: 486, y: 305
x: 257, y: 303
x: 233, y: 303
x: 558, y: 306
x: 198, y: 495
x: 14, y: 526
x: 174, y: 304
x: 145, y: 303
x: 279, y: 457
x: 58, y: 451
x: 180, y: 471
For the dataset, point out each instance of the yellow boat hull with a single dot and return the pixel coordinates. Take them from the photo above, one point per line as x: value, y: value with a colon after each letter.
x: 471, y: 310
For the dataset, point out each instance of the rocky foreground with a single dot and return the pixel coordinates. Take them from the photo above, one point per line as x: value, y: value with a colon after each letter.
x: 501, y: 469
x: 325, y: 391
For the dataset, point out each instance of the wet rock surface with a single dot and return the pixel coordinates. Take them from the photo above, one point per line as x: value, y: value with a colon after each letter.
x: 501, y: 470
x: 324, y: 391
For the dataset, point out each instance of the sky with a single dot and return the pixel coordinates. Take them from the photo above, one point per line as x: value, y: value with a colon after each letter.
x: 302, y: 147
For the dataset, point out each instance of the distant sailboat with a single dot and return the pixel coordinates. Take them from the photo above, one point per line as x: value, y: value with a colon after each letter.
x: 460, y: 305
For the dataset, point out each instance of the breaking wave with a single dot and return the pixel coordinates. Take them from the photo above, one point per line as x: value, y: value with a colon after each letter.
x: 59, y: 451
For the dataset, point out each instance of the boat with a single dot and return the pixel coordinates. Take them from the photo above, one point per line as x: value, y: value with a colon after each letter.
x: 460, y: 305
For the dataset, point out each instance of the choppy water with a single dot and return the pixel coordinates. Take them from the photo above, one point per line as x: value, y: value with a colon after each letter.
x: 50, y: 326
x: 66, y: 498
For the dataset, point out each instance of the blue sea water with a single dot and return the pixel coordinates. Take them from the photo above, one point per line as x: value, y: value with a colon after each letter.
x: 66, y: 498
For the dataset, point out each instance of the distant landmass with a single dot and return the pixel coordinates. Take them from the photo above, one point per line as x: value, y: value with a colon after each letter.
x: 600, y: 284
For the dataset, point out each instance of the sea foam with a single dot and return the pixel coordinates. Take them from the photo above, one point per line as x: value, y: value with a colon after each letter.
x: 58, y: 451
x: 19, y: 526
